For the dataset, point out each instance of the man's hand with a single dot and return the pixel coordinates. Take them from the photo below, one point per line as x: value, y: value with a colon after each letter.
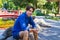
x: 35, y: 33
x: 33, y: 30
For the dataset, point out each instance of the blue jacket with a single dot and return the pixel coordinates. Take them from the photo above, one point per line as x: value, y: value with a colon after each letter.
x: 21, y: 24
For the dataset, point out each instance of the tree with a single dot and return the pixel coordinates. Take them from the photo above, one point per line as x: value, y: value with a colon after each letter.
x: 5, y: 5
x: 0, y: 3
x: 24, y: 3
x: 21, y: 3
x: 59, y: 7
x: 51, y: 6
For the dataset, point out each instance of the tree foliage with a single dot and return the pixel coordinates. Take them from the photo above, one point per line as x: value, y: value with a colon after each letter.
x: 41, y: 4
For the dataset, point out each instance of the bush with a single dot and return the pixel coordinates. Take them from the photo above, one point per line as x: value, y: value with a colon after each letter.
x: 38, y: 13
x: 52, y: 17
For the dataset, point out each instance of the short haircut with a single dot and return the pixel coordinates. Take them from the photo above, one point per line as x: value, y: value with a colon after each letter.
x: 28, y: 8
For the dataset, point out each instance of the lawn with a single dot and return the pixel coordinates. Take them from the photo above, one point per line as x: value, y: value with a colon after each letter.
x: 53, y: 18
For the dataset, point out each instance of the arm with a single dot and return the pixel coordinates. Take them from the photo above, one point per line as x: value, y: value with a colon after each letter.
x: 23, y: 23
x: 32, y: 23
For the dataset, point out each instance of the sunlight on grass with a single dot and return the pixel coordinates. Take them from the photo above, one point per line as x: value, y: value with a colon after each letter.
x: 53, y: 18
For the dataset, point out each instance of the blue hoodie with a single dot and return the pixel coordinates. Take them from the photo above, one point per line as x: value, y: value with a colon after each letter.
x: 21, y: 24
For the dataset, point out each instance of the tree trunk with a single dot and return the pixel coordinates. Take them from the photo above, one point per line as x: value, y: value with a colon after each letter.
x: 35, y: 4
x: 59, y: 7
x: 55, y: 15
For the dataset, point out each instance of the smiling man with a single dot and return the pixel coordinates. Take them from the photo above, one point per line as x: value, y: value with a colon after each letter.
x: 20, y: 29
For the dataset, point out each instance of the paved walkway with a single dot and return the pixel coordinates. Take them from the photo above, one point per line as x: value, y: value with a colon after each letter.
x: 52, y: 33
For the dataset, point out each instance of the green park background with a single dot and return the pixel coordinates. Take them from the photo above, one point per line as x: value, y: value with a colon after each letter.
x: 43, y: 8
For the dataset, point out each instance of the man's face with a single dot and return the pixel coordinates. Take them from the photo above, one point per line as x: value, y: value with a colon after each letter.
x: 29, y: 12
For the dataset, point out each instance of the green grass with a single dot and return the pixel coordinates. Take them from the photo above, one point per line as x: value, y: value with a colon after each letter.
x: 52, y: 17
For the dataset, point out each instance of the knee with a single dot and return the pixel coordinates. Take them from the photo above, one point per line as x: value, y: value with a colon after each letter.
x: 26, y: 33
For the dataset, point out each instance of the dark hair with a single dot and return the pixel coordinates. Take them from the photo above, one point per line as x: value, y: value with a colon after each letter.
x: 28, y: 8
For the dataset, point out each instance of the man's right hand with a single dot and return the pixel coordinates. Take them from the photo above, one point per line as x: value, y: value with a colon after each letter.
x: 33, y: 30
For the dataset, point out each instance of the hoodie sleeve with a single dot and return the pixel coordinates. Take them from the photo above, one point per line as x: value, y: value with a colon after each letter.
x: 22, y: 23
x: 32, y: 23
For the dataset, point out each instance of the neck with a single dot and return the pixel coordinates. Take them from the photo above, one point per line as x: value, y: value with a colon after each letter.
x: 27, y: 14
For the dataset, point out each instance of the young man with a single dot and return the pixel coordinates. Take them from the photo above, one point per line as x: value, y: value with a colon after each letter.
x: 20, y: 29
